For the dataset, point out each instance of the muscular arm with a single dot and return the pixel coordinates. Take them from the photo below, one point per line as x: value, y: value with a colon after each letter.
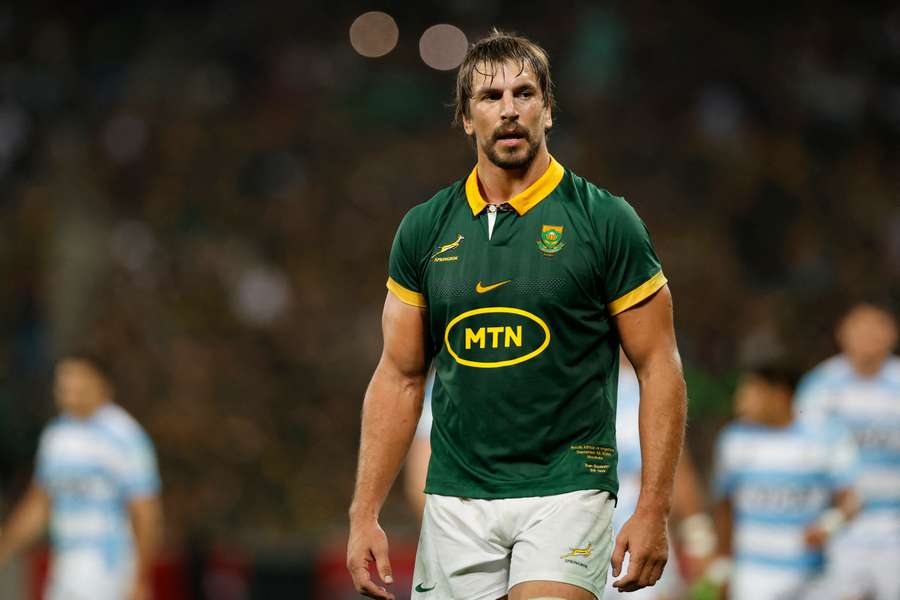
x: 391, y: 409
x: 146, y: 522
x: 27, y: 523
x: 648, y: 339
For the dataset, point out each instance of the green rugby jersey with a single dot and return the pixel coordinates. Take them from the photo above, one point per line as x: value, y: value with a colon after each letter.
x: 520, y: 327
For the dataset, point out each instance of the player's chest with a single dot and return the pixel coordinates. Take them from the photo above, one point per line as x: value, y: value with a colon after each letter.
x: 541, y: 258
x: 78, y: 465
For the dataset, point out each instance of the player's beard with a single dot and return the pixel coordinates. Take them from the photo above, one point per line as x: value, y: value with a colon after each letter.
x: 512, y: 161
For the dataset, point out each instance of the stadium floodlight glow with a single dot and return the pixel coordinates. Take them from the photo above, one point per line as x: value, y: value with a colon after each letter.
x: 374, y: 34
x: 443, y: 46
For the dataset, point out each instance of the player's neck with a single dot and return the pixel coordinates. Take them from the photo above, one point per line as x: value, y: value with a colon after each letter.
x: 781, y: 418
x: 866, y: 368
x: 499, y: 185
x: 86, y: 412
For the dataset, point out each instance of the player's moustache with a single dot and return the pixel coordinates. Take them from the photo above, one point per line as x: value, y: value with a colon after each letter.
x: 521, y: 132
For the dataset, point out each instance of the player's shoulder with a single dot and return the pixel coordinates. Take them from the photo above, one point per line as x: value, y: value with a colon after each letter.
x: 54, y: 427
x: 593, y: 197
x: 117, y: 423
x: 734, y: 433
x: 891, y: 370
x: 830, y: 371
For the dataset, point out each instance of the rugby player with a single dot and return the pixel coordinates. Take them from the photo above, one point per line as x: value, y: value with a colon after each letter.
x: 520, y: 281
x: 783, y: 487
x: 860, y: 388
x: 97, y: 485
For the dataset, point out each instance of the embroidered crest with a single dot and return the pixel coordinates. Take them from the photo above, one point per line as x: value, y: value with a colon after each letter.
x: 551, y: 239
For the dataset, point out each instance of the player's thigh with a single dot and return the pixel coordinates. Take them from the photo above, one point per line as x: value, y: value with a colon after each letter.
x: 549, y: 590
x: 458, y: 555
x: 569, y: 540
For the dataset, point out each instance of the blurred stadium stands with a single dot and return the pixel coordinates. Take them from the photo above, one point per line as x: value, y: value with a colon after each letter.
x: 206, y: 193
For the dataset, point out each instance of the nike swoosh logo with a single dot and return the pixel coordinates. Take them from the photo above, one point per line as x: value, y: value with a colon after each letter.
x: 481, y: 289
x: 421, y: 589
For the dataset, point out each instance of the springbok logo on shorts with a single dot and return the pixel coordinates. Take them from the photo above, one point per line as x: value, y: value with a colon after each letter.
x: 576, y: 552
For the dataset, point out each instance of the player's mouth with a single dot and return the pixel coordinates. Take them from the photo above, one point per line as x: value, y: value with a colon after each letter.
x: 510, y: 138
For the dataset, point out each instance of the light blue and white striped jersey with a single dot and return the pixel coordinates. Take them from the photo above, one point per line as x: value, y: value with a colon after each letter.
x: 91, y: 469
x: 779, y: 481
x: 870, y: 409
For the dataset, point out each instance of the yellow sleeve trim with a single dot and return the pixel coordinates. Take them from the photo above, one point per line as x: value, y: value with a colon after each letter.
x: 406, y: 296
x: 638, y: 294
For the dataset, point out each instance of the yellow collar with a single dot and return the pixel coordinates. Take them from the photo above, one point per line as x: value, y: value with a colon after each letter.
x: 524, y: 200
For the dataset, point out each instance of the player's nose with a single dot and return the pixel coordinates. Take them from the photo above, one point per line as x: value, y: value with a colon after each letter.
x: 508, y: 106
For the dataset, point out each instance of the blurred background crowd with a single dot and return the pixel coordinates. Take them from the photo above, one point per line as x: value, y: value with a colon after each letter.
x: 206, y: 192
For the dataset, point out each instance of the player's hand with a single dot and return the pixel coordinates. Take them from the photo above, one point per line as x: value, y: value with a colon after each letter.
x: 645, y: 538
x: 815, y: 536
x: 368, y: 543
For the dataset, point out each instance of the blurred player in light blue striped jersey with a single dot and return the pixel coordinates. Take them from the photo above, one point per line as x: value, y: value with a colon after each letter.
x: 97, y: 486
x: 860, y: 389
x: 783, y: 486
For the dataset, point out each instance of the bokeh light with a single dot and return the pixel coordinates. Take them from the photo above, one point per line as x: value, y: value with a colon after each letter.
x: 443, y: 47
x: 374, y: 34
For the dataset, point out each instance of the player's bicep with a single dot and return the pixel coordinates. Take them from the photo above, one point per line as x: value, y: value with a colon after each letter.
x: 647, y: 331
x: 403, y: 328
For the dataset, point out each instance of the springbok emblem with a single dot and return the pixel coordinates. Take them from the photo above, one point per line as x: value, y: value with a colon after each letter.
x: 450, y: 246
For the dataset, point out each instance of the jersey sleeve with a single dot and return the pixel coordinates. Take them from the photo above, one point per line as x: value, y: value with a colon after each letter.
x: 140, y: 476
x: 632, y: 269
x: 404, y: 264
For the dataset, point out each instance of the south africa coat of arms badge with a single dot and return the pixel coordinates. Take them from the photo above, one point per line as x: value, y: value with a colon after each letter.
x: 551, y: 239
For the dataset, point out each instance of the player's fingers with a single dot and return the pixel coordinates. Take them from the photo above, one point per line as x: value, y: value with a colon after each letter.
x: 365, y: 586
x: 650, y: 573
x: 382, y: 562
x: 658, y: 572
x: 618, y: 555
x: 629, y: 582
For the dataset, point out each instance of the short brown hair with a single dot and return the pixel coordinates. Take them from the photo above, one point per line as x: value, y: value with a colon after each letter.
x: 494, y: 50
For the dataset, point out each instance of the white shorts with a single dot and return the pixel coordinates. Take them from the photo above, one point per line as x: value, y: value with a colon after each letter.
x: 86, y: 575
x: 479, y: 549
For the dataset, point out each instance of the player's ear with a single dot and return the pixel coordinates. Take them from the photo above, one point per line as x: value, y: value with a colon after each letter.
x: 548, y: 118
x: 467, y: 125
